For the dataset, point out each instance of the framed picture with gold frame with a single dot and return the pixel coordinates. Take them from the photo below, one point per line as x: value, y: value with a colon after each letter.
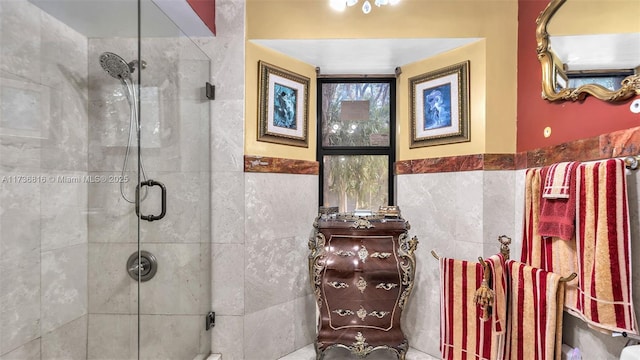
x: 283, y: 106
x: 440, y: 106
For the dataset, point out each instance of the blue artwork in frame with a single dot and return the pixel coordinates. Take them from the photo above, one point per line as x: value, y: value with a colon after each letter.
x: 437, y: 107
x: 440, y: 106
x: 284, y: 106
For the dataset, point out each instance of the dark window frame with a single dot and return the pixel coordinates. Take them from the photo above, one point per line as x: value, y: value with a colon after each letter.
x: 389, y: 151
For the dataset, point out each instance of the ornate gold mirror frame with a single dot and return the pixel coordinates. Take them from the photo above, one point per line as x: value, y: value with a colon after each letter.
x: 630, y: 85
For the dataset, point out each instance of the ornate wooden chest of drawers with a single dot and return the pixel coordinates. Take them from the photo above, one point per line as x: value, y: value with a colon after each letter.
x: 362, y: 271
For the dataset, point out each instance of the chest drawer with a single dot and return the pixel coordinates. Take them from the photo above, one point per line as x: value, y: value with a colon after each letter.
x: 361, y: 285
x: 362, y: 273
x: 357, y: 252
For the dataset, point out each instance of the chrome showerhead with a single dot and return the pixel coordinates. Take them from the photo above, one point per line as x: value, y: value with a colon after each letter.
x: 115, y: 66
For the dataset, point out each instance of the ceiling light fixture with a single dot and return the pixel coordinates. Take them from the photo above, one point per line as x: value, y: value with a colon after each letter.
x: 340, y: 5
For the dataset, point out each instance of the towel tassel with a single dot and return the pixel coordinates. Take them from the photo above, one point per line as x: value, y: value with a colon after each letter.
x: 484, y: 295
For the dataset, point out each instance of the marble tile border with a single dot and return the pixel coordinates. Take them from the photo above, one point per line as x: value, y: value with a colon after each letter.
x: 265, y: 164
x: 616, y: 144
x: 456, y: 164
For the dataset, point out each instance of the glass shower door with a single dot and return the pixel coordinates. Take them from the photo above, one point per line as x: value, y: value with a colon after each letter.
x: 149, y: 290
x: 174, y: 184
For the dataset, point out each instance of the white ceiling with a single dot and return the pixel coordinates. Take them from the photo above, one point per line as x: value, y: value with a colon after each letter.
x: 382, y: 56
x: 108, y: 18
x: 159, y: 18
x: 363, y: 56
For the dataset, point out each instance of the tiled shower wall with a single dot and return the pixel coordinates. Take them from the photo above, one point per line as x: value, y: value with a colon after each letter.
x: 43, y: 154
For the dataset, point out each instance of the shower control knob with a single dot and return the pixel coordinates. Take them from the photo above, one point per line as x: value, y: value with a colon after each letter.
x: 143, y: 266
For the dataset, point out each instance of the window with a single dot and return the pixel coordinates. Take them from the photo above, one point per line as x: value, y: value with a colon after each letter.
x: 356, y: 142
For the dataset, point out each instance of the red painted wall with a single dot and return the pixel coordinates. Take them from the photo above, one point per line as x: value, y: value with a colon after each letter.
x: 568, y: 120
x: 206, y: 10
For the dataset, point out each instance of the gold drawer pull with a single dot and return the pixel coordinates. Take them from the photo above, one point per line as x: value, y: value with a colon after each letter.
x: 381, y: 256
x: 386, y: 286
x: 362, y: 313
x: 343, y: 312
x: 344, y: 253
x: 378, y: 314
x: 338, y: 284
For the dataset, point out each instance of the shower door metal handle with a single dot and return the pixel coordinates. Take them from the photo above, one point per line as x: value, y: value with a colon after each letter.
x: 164, y: 200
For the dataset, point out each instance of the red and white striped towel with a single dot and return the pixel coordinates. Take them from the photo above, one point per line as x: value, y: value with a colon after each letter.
x: 558, y: 203
x: 559, y: 179
x: 463, y: 333
x: 534, y: 248
x: 498, y: 283
x: 535, y: 308
x: 603, y: 247
x: 551, y: 254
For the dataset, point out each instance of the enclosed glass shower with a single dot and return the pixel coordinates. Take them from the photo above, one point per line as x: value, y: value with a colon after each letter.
x: 105, y: 246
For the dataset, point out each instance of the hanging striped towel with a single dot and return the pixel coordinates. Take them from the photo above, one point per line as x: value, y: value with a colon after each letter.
x: 558, y: 203
x: 551, y: 254
x: 499, y: 285
x: 603, y: 247
x: 535, y: 313
x: 531, y: 240
x: 463, y: 333
x: 534, y: 248
x: 557, y: 184
x: 563, y: 259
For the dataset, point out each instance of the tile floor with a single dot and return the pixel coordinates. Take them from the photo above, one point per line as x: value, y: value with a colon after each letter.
x: 210, y: 357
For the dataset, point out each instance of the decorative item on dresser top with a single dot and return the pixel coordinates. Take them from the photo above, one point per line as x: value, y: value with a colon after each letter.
x: 362, y: 271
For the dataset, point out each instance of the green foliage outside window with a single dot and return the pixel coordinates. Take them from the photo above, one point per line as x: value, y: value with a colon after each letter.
x: 356, y: 181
